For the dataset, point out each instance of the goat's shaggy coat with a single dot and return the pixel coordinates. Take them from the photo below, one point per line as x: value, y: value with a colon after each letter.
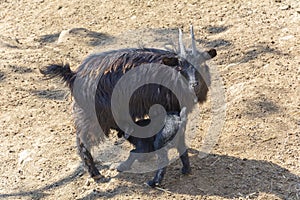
x: 102, y: 71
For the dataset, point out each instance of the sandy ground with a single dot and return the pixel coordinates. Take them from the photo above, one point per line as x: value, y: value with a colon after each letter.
x: 257, y: 155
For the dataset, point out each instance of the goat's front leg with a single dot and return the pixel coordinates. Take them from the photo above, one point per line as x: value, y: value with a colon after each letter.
x: 158, y: 177
x: 186, y: 169
x: 184, y: 157
x: 88, y: 161
x: 162, y: 161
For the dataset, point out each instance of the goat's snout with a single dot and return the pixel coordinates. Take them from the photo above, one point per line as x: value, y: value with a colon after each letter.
x: 193, y: 82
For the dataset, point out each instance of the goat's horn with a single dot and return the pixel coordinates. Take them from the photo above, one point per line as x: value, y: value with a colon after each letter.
x: 181, y: 45
x: 194, y: 48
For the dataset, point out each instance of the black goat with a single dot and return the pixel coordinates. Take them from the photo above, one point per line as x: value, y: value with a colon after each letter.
x: 93, y: 83
x: 171, y: 134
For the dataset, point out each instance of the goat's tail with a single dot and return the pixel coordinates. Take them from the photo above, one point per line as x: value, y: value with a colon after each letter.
x: 63, y: 71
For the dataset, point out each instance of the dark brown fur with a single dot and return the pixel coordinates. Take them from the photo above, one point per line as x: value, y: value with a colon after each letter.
x: 110, y: 67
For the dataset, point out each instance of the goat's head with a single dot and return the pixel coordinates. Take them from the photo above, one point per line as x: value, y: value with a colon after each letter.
x: 198, y: 71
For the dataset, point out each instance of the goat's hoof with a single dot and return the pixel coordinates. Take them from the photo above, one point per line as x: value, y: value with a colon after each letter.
x: 101, y: 179
x: 123, y: 167
x: 186, y: 170
x: 97, y: 178
x: 152, y: 183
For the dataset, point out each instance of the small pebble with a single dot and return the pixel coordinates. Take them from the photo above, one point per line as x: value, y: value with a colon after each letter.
x: 88, y: 182
x: 285, y: 7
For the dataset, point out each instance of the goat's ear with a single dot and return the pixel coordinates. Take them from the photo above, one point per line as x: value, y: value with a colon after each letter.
x: 212, y: 53
x: 170, y: 61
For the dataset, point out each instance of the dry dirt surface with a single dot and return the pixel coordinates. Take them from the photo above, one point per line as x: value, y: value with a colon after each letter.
x: 257, y: 155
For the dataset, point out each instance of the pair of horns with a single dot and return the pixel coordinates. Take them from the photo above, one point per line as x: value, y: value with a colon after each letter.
x: 181, y: 45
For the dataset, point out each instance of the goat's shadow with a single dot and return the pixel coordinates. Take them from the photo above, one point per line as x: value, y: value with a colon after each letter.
x: 214, y: 175
x: 231, y: 177
x: 41, y: 192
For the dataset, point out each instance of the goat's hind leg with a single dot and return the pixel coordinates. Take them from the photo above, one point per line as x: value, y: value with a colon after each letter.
x: 88, y: 160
